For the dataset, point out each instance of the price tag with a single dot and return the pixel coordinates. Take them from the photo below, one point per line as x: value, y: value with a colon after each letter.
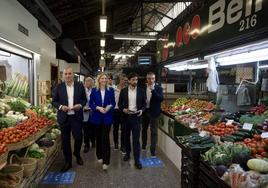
x: 247, y: 126
x: 264, y: 135
x: 230, y: 122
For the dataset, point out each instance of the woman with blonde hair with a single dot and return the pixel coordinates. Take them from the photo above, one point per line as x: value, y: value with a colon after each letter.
x: 102, y: 103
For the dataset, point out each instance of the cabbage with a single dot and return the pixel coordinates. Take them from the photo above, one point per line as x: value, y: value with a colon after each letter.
x: 34, y: 147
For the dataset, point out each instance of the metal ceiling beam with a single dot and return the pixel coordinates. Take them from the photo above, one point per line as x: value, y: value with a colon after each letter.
x: 168, y: 1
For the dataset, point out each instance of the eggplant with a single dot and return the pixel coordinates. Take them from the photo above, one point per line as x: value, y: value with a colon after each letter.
x: 220, y: 170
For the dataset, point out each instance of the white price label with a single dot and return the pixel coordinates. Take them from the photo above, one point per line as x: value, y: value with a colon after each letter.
x: 247, y: 126
x: 230, y: 122
x: 264, y: 135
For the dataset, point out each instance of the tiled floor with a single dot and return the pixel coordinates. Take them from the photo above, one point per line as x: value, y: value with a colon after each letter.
x: 120, y: 174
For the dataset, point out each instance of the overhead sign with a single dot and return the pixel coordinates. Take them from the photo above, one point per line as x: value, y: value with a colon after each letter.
x: 217, y: 22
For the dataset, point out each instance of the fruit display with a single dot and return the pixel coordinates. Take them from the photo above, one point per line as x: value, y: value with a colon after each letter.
x: 257, y: 145
x: 3, y: 148
x: 180, y: 102
x: 221, y: 129
x: 263, y: 126
x: 195, y: 119
x: 200, y: 105
x: 23, y: 130
x: 195, y: 141
x: 258, y: 110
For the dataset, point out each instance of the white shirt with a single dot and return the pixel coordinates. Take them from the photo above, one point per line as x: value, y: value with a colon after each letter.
x: 70, y: 94
x: 102, y: 95
x: 86, y: 114
x: 149, y: 95
x: 132, y: 102
x: 116, y: 94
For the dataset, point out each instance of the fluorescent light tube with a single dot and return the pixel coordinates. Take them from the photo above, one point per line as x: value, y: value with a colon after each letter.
x: 103, y: 24
x: 200, y: 66
x: 102, y: 42
x: 134, y: 37
x: 102, y: 52
x: 247, y: 57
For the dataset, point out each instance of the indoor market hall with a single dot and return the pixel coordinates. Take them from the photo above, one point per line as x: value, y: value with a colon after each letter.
x: 137, y: 93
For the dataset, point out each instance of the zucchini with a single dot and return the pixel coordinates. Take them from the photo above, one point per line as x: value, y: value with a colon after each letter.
x: 208, y: 145
x: 241, y: 134
x: 245, y: 130
x: 207, y: 142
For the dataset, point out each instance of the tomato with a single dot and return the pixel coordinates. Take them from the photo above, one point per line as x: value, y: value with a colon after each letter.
x: 252, y: 145
x: 247, y: 140
x: 253, y: 150
x: 257, y: 137
x: 260, y: 150
x: 264, y: 154
x: 266, y: 141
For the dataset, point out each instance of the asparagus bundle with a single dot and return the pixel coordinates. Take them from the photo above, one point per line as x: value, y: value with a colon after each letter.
x: 18, y: 86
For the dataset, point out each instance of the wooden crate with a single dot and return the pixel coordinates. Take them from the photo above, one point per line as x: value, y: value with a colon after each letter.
x: 42, y: 100
x: 44, y: 87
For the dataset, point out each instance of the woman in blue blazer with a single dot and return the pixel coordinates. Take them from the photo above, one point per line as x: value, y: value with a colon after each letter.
x: 102, y: 103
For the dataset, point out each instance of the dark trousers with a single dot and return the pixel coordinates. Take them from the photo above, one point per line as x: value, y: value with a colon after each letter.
x: 117, y: 121
x: 153, y: 122
x: 74, y: 126
x: 133, y: 125
x: 89, y: 133
x: 103, y: 149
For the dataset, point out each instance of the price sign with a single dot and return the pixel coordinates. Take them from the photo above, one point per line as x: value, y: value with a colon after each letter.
x: 230, y: 122
x: 264, y: 135
x: 247, y: 126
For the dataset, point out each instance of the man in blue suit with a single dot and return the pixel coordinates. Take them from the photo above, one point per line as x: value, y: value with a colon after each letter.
x: 69, y: 98
x: 132, y: 102
x: 154, y: 97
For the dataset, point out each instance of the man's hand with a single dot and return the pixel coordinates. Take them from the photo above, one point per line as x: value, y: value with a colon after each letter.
x: 125, y: 110
x: 76, y: 107
x: 65, y: 108
x: 140, y: 113
x: 86, y: 109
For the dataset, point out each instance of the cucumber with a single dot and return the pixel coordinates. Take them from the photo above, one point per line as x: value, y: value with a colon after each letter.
x: 244, y: 130
x: 227, y: 139
x: 239, y: 138
x: 231, y: 137
x: 207, y: 141
x: 241, y: 134
x: 209, y: 145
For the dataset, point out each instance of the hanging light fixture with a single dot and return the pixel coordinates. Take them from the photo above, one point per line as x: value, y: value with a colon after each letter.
x: 103, y: 24
x: 102, y: 42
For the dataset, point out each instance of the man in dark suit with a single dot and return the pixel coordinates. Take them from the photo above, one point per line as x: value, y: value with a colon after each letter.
x: 154, y: 97
x: 132, y: 102
x: 69, y: 98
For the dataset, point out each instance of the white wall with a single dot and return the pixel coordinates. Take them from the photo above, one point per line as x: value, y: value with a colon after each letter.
x: 47, y: 57
x: 63, y: 64
x: 11, y: 14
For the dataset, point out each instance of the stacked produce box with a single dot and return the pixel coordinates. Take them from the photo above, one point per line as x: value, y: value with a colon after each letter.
x: 231, y: 150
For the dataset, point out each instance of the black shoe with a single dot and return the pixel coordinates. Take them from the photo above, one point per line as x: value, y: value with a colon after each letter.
x: 116, y: 147
x: 66, y: 167
x: 79, y: 161
x: 138, y: 165
x: 123, y: 151
x: 126, y: 157
x: 153, y: 154
x: 144, y: 148
x: 86, y: 149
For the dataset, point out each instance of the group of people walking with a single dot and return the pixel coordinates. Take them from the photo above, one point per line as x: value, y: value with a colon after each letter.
x: 93, y: 109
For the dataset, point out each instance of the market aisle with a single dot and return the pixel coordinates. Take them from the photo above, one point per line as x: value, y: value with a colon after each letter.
x: 120, y: 174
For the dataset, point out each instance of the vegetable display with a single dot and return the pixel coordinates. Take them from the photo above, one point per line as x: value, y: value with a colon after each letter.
x: 194, y: 140
x: 36, y: 152
x: 23, y: 130
x: 223, y: 154
x: 18, y: 105
x: 18, y: 86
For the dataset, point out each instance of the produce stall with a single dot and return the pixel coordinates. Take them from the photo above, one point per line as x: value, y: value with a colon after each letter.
x: 224, y: 149
x: 30, y: 141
